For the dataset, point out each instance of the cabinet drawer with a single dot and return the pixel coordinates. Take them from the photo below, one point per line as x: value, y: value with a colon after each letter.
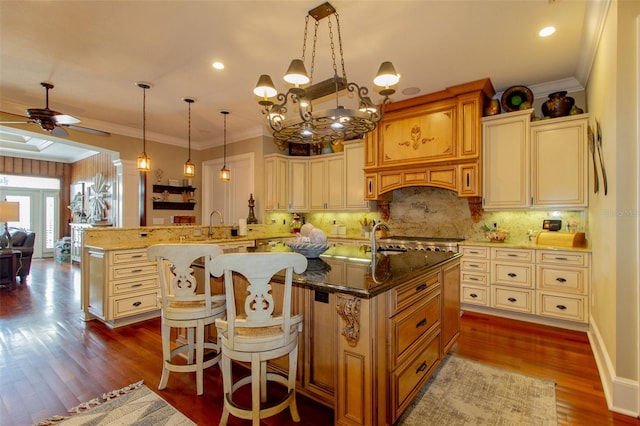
x: 406, y: 294
x: 126, y: 256
x: 410, y: 325
x: 515, y: 274
x: 512, y: 255
x: 513, y: 299
x: 572, y: 308
x: 408, y: 379
x: 131, y: 271
x: 566, y: 280
x: 481, y: 252
x: 475, y: 295
x: 474, y: 278
x: 125, y: 306
x: 134, y: 284
x: 473, y: 264
x: 565, y: 258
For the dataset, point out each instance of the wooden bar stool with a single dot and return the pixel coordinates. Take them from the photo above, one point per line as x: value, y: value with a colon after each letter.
x: 184, y: 307
x: 256, y: 333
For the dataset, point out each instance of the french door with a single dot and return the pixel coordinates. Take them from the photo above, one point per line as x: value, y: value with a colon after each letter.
x: 39, y: 210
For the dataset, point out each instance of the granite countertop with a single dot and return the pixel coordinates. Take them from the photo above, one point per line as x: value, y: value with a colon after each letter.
x: 389, y: 270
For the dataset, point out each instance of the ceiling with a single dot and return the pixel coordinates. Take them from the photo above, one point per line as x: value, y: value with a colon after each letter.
x: 95, y: 51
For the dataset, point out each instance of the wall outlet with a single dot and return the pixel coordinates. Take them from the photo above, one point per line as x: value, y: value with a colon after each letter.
x: 143, y: 235
x: 197, y: 232
x: 495, y: 225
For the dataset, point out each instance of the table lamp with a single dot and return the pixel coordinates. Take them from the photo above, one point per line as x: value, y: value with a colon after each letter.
x: 9, y: 212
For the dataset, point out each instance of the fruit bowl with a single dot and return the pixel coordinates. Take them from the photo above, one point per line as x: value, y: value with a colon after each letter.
x: 497, y: 236
x: 308, y: 250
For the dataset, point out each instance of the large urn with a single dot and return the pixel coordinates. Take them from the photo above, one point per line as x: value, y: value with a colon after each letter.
x: 558, y: 105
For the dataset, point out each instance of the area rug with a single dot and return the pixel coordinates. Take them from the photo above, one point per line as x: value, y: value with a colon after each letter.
x: 465, y: 392
x: 135, y: 404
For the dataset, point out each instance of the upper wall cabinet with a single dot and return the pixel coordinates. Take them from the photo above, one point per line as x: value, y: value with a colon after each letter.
x: 431, y: 140
x: 276, y: 173
x: 540, y: 164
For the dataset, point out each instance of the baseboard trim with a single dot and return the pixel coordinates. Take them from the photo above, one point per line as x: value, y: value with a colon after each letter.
x: 622, y: 395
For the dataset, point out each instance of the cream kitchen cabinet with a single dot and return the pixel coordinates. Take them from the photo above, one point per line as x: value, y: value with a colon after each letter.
x: 354, y: 176
x: 326, y: 182
x: 123, y: 285
x: 559, y: 164
x: 540, y: 164
x: 474, y: 275
x: 276, y: 173
x: 563, y: 285
x: 543, y: 285
x: 298, y: 185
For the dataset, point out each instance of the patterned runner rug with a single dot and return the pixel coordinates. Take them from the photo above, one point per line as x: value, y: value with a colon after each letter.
x: 135, y: 404
x: 465, y: 392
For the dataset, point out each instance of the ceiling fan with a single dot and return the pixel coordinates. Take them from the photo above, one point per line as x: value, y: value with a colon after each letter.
x: 52, y: 121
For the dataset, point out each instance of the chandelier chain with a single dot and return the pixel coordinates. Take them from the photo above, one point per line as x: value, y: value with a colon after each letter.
x: 225, y: 140
x: 189, y: 132
x: 333, y: 47
x: 304, y: 41
x: 344, y: 73
x: 313, y: 52
x: 144, y: 119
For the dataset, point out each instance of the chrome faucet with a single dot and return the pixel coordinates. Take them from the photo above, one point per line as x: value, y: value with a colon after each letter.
x: 210, y: 233
x: 374, y: 245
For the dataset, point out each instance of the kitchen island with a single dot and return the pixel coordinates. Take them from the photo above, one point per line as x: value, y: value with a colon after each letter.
x: 375, y: 328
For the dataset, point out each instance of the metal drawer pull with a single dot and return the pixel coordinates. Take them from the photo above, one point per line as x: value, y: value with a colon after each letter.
x: 512, y: 255
x: 473, y: 265
x: 561, y: 307
x: 136, y: 270
x: 473, y: 279
x: 137, y: 285
x: 421, y: 287
x: 561, y: 258
x: 474, y: 252
x: 135, y: 256
x: 422, y: 367
x: 560, y: 279
x: 136, y: 304
x: 421, y: 323
x: 512, y: 299
x: 473, y: 295
x: 512, y: 274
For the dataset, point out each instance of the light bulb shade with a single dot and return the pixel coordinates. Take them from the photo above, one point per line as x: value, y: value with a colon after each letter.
x: 144, y: 162
x: 189, y: 169
x: 265, y: 87
x: 387, y: 75
x: 9, y: 211
x: 297, y: 73
x: 225, y: 174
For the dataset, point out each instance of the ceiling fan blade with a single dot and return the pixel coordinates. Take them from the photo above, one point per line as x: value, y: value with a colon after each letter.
x: 65, y: 119
x: 88, y: 130
x: 59, y: 131
x: 17, y: 122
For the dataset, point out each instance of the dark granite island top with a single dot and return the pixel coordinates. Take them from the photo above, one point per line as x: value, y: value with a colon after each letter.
x: 364, y: 281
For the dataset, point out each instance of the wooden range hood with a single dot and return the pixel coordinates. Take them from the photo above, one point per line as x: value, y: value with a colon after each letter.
x: 430, y: 140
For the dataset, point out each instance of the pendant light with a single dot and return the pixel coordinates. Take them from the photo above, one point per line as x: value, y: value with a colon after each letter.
x: 225, y: 174
x: 189, y: 167
x: 144, y: 162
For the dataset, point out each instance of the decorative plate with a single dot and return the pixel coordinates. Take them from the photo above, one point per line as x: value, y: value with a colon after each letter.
x: 515, y: 96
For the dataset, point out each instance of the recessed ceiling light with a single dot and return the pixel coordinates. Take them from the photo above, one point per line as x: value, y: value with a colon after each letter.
x: 546, y: 31
x: 410, y: 91
x: 218, y: 65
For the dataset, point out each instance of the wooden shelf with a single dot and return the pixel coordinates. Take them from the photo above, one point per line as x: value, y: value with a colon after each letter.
x: 168, y: 205
x: 159, y: 189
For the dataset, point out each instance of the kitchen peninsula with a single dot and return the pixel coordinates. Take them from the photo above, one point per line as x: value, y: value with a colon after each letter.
x: 375, y: 326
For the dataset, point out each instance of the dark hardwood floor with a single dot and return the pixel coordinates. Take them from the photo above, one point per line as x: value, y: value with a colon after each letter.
x: 51, y: 360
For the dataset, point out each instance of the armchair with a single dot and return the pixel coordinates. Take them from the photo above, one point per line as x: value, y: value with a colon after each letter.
x: 23, y: 240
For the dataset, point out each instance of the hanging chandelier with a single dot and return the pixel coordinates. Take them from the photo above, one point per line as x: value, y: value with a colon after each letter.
x: 144, y: 162
x: 307, y: 125
x: 189, y: 167
x: 225, y: 174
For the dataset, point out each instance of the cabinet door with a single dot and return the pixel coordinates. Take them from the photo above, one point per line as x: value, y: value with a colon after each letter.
x: 450, y: 305
x: 506, y: 176
x: 334, y: 183
x: 317, y: 184
x: 298, y: 185
x: 276, y: 174
x: 559, y: 163
x: 354, y: 176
